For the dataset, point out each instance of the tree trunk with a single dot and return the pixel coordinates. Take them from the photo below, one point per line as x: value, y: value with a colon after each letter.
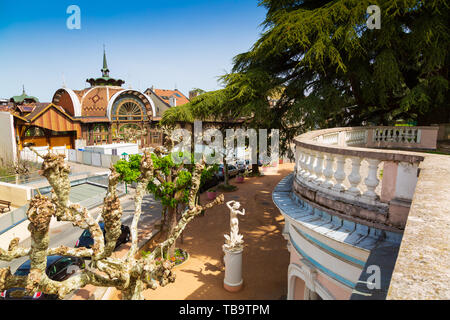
x: 225, y: 171
x: 164, y: 219
x: 197, y: 202
x: 172, y: 216
x: 255, y: 169
x: 134, y: 290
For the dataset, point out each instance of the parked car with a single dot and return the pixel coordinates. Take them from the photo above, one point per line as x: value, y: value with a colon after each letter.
x: 249, y: 165
x: 59, y: 268
x: 87, y: 241
x: 241, y: 165
x: 232, y: 171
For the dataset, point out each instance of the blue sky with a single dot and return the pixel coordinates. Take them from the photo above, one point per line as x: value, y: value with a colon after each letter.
x: 187, y: 43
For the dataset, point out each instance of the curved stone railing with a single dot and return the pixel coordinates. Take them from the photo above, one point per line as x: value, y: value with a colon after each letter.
x: 345, y: 170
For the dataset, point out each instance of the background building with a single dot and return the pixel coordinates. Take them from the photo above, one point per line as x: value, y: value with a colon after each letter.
x: 95, y: 115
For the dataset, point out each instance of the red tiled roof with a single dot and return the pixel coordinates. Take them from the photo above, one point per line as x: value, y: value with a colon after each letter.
x: 166, y: 94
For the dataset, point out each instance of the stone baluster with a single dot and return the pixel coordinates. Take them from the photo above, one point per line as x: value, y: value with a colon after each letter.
x: 303, y: 164
x: 355, y: 177
x: 306, y: 160
x: 312, y: 176
x: 372, y: 180
x: 300, y: 159
x: 339, y: 174
x: 318, y: 169
x: 328, y: 172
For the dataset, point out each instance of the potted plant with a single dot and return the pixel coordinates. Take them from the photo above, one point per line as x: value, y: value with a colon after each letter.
x: 240, y: 178
x: 211, y: 193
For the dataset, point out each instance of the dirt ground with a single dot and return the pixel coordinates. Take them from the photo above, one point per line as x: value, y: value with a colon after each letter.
x: 265, y: 257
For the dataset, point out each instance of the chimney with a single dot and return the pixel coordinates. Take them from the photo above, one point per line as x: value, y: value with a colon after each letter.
x: 193, y: 94
x: 173, y: 101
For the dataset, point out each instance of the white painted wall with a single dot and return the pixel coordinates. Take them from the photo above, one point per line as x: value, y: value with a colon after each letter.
x: 8, y: 148
x: 406, y: 180
x: 129, y: 148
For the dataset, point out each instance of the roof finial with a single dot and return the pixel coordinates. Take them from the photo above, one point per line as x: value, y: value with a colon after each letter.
x: 105, y: 70
x: 23, y: 88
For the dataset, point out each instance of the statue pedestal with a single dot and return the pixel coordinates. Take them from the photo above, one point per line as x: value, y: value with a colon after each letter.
x: 233, y: 281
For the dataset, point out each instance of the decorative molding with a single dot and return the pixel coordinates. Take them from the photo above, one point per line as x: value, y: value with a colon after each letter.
x: 308, y: 273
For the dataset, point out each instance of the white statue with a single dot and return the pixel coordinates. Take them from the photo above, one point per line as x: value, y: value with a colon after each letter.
x: 234, y: 241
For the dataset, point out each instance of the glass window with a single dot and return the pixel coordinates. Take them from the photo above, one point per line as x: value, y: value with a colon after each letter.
x: 34, y: 132
x: 22, y: 272
x: 60, y: 265
x: 86, y: 233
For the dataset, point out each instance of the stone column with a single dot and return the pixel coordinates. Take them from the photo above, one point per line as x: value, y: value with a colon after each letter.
x: 233, y: 281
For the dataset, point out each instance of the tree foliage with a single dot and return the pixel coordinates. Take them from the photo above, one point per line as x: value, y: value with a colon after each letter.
x: 327, y: 68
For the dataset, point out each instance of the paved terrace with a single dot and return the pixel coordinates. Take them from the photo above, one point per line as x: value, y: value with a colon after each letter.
x: 265, y: 258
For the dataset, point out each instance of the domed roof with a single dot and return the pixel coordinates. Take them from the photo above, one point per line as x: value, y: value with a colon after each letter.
x: 23, y: 98
x: 97, y: 100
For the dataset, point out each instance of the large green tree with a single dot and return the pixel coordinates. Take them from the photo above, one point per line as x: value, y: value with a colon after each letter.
x: 329, y: 69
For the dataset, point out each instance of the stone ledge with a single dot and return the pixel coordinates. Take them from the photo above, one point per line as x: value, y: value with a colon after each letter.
x: 375, y: 217
x: 422, y: 269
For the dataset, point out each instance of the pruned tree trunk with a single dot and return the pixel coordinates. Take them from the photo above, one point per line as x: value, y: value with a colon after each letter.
x: 255, y: 169
x: 225, y: 171
x: 172, y: 219
x: 129, y: 274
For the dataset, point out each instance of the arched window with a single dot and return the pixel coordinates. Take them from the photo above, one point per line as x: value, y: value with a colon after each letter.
x: 128, y: 110
x: 34, y: 132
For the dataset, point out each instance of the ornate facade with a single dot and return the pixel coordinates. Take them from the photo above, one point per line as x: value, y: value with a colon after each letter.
x: 346, y: 207
x: 105, y: 109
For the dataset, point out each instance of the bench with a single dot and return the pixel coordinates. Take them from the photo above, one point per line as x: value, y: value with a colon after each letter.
x: 5, y: 205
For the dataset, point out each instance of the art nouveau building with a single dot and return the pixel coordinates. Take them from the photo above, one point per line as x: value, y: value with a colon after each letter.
x: 105, y: 109
x: 346, y: 207
x: 94, y: 115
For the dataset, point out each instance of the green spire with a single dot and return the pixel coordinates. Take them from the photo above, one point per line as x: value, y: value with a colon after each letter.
x: 105, y: 70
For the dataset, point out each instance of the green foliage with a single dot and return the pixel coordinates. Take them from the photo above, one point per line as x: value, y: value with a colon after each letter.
x: 129, y: 170
x: 328, y: 69
x: 172, y: 183
x: 171, y: 189
x: 179, y: 256
x: 227, y: 187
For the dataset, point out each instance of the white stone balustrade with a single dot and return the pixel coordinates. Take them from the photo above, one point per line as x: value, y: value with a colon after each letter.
x: 397, y: 134
x: 355, y: 178
x: 372, y: 180
x: 328, y: 171
x: 328, y: 162
x: 339, y: 174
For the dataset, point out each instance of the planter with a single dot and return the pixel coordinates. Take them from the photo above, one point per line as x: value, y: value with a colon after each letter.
x: 211, y: 195
x: 185, y: 256
x: 240, y: 179
x: 233, y: 281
